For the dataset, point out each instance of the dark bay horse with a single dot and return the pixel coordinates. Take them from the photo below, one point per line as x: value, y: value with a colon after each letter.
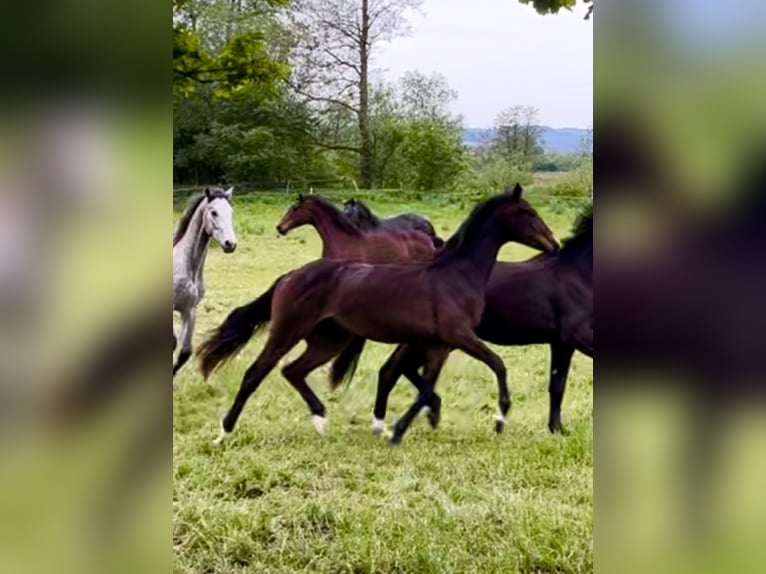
x: 363, y: 217
x: 545, y: 300
x: 435, y: 305
x: 342, y: 240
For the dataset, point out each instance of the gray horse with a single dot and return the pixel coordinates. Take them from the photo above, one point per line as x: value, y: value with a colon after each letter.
x: 207, y: 215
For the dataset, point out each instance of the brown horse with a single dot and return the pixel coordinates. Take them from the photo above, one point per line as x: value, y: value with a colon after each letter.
x: 437, y: 305
x: 363, y: 217
x: 344, y: 241
x: 546, y: 299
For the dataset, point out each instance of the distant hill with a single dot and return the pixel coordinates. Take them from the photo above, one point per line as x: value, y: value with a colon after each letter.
x: 555, y: 140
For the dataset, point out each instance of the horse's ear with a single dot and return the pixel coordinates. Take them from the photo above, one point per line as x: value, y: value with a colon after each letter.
x: 208, y: 193
x: 229, y: 192
x: 515, y: 192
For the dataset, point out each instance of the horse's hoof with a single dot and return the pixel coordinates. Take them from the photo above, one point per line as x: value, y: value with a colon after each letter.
x: 221, y: 437
x: 433, y: 411
x: 558, y: 429
x: 319, y: 423
x: 499, y: 424
x: 433, y: 418
x: 218, y: 442
x: 378, y: 426
x: 395, y: 440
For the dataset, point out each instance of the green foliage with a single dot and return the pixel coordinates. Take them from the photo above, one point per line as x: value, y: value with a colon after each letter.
x: 433, y: 153
x: 551, y: 6
x: 493, y: 174
x: 418, y: 144
x: 554, y: 163
x: 226, y: 45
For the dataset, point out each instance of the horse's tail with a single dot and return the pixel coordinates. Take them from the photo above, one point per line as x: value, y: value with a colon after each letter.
x: 344, y: 366
x: 235, y: 331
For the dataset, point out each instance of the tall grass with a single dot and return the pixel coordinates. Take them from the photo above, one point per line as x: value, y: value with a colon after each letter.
x: 281, y: 499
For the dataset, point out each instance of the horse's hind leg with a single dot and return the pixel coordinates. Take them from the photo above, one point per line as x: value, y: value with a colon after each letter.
x: 275, y: 349
x: 404, y: 360
x: 187, y: 331
x: 434, y: 360
x: 323, y: 344
x: 561, y: 358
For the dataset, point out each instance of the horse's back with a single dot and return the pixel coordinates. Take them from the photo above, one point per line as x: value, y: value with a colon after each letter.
x: 395, y: 247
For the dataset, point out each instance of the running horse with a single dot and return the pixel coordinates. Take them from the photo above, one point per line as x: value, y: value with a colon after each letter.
x: 363, y: 217
x: 437, y: 305
x: 342, y: 240
x: 207, y: 215
x: 547, y: 299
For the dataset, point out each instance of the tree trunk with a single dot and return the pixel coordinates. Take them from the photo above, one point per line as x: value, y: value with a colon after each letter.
x: 365, y: 139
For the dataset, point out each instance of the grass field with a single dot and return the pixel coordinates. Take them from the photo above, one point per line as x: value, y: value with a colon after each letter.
x: 278, y: 498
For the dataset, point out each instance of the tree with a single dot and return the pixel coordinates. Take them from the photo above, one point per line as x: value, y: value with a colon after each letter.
x: 335, y: 44
x: 553, y: 6
x: 517, y: 134
x: 225, y: 44
x: 417, y: 142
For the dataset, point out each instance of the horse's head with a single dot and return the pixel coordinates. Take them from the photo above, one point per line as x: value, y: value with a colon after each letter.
x: 219, y: 217
x: 299, y: 213
x: 351, y: 210
x: 522, y: 224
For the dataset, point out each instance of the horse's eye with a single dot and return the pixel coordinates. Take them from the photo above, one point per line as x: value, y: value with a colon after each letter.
x: 214, y: 213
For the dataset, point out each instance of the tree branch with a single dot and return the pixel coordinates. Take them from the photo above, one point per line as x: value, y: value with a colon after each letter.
x: 315, y: 98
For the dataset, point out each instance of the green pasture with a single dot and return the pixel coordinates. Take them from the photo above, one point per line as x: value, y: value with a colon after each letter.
x: 278, y: 498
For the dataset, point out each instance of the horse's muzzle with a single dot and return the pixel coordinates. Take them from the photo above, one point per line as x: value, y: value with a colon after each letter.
x: 228, y: 246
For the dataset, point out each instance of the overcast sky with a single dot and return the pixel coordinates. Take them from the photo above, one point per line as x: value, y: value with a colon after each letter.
x: 499, y: 53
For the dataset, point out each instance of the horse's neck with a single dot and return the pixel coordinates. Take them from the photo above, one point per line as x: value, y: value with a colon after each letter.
x: 194, y: 245
x: 476, y: 255
x: 333, y: 237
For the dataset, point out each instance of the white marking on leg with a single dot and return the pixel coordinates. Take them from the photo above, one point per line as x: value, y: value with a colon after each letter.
x: 378, y: 426
x: 500, y: 418
x: 221, y: 437
x: 319, y: 423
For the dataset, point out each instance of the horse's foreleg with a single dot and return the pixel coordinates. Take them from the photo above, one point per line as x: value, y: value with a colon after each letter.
x: 561, y: 358
x: 319, y: 350
x: 187, y: 331
x: 472, y: 346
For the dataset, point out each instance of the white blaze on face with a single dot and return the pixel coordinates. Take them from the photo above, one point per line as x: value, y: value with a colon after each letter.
x: 220, y: 222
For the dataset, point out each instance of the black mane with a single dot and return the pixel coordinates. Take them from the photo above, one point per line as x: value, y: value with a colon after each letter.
x: 477, y: 218
x: 582, y: 233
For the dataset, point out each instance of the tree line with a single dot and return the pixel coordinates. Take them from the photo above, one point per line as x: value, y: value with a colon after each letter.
x: 277, y: 92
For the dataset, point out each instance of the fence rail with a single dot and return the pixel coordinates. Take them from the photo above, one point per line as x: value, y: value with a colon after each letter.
x: 248, y: 188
